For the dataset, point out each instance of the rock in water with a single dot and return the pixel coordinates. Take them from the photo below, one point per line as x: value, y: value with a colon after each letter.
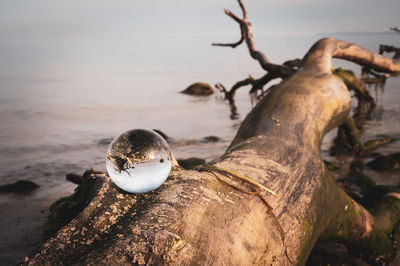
x: 20, y: 186
x: 139, y: 160
x: 211, y: 139
x: 386, y: 162
x: 199, y: 89
x: 74, y: 178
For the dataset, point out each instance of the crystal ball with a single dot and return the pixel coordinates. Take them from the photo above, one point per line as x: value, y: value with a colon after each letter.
x: 138, y: 160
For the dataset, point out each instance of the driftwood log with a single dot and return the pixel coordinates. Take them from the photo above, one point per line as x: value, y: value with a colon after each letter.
x: 208, y: 218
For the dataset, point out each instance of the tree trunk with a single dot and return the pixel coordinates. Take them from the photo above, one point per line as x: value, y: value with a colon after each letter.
x: 208, y: 218
x: 194, y: 218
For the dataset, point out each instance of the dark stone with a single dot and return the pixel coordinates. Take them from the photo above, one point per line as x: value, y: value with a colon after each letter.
x: 357, y: 184
x: 374, y: 195
x: 330, y: 253
x: 357, y: 165
x: 331, y: 166
x: 191, y: 163
x: 65, y: 209
x: 105, y: 141
x: 386, y: 162
x: 20, y: 186
x: 74, y: 178
x: 199, y: 89
x: 211, y: 139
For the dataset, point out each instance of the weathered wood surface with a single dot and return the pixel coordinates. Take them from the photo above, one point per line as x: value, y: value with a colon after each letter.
x: 194, y: 218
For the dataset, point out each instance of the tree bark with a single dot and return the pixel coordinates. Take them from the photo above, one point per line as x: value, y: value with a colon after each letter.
x: 194, y: 218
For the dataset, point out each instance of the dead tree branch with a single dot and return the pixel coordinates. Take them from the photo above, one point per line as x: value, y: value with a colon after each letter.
x: 246, y: 30
x: 257, y: 84
x: 390, y: 49
x: 324, y: 50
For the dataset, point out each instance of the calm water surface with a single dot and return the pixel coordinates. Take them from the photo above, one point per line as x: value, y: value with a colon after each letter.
x: 52, y: 125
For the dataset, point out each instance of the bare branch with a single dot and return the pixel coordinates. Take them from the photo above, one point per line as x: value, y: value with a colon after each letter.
x: 294, y: 63
x: 234, y: 16
x: 257, y: 84
x: 238, y: 20
x: 247, y: 34
x: 319, y: 57
x: 233, y: 45
x: 221, y: 87
x: 390, y: 49
x: 260, y: 83
x: 359, y: 55
x: 264, y: 93
x: 387, y: 48
x: 229, y: 95
x: 243, y: 9
x: 365, y: 72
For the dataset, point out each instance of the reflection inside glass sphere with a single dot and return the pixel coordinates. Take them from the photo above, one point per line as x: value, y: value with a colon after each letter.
x: 138, y: 160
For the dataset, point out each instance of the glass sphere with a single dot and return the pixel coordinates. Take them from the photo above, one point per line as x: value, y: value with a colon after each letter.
x: 138, y: 160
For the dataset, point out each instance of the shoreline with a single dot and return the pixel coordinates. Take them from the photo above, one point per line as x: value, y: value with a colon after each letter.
x: 23, y: 218
x: 24, y: 214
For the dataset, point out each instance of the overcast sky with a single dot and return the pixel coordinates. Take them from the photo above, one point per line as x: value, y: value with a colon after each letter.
x: 195, y: 17
x: 65, y: 35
